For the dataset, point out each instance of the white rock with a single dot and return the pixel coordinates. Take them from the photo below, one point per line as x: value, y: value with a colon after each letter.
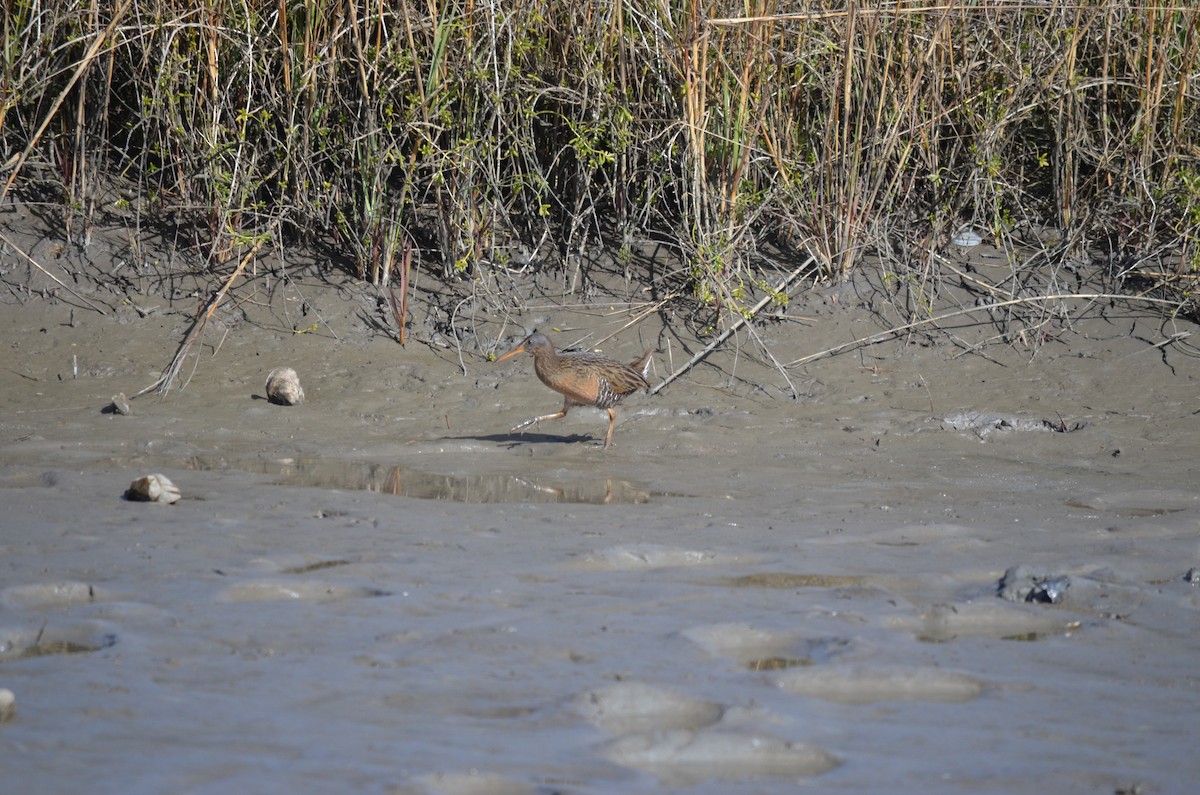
x: 153, y: 488
x: 283, y: 387
x: 8, y: 705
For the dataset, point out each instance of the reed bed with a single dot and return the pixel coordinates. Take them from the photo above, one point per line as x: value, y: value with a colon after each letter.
x: 470, y: 140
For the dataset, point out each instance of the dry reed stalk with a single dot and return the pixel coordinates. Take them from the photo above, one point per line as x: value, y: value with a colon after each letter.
x: 55, y: 279
x: 48, y: 117
x: 558, y: 126
x: 741, y: 321
x: 1035, y: 299
x: 163, y: 384
x: 400, y: 306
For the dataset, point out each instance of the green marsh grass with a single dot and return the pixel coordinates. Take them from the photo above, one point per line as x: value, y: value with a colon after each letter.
x: 865, y: 135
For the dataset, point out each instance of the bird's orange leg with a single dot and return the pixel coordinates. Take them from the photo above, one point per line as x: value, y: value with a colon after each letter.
x: 612, y: 420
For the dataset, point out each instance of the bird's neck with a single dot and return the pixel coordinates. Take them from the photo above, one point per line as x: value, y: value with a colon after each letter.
x: 546, y: 362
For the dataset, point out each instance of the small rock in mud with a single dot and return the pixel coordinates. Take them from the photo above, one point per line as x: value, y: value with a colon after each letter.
x: 1192, y: 576
x: 153, y: 488
x: 283, y: 387
x: 1024, y: 584
x: 8, y: 705
x: 120, y: 404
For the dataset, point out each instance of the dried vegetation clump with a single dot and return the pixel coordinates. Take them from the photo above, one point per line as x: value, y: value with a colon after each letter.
x: 755, y: 144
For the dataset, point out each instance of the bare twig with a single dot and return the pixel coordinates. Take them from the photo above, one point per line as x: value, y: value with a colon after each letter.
x: 163, y: 384
x: 57, y: 280
x: 741, y: 321
x: 645, y: 313
x: 49, y: 117
x: 884, y: 335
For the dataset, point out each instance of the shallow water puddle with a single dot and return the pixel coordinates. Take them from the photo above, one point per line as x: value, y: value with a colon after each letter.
x: 388, y: 479
x: 21, y: 644
x: 788, y: 580
x: 945, y: 623
x: 1132, y: 511
x: 476, y: 488
x: 777, y: 663
x: 406, y: 482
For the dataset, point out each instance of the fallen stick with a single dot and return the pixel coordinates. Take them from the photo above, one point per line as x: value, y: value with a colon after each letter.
x: 645, y: 313
x: 57, y: 280
x: 49, y: 117
x: 883, y: 335
x: 163, y: 384
x: 741, y: 321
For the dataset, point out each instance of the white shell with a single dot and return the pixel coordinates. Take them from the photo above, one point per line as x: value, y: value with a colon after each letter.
x: 283, y: 387
x: 153, y: 488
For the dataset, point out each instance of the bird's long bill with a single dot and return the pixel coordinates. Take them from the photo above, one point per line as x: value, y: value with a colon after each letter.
x: 519, y: 349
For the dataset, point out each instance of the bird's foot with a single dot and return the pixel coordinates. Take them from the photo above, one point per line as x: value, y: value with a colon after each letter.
x: 526, y: 424
x: 536, y: 420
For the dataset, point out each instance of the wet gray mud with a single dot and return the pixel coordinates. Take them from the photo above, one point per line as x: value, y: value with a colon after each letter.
x: 383, y: 590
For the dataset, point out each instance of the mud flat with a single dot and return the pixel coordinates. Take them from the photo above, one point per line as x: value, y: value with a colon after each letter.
x: 382, y: 590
